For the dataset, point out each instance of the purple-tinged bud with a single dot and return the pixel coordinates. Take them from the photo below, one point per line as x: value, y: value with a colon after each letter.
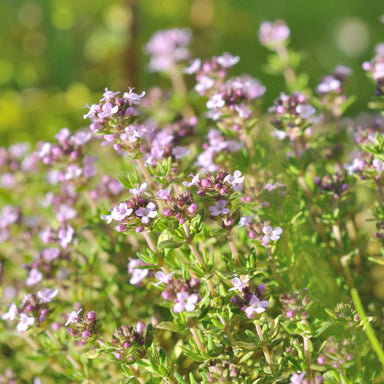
x: 192, y: 208
x: 140, y: 201
x: 55, y: 326
x: 167, y: 212
x: 86, y: 334
x: 126, y: 344
x: 41, y: 318
x: 249, y: 199
x: 321, y: 360
x: 236, y: 128
x: 177, y: 216
x: 223, y: 191
x: 290, y: 314
x: 117, y: 147
x: 262, y: 288
x: 91, y: 315
x: 74, y: 155
x: 141, y: 341
x: 205, y: 183
x: 118, y: 355
x: 139, y: 229
x: 182, y: 221
x: 251, y: 235
x: 44, y: 311
x: 140, y: 327
x: 229, y: 222
x: 120, y: 228
x: 28, y: 308
x: 166, y: 295
x: 131, y: 358
x: 201, y: 193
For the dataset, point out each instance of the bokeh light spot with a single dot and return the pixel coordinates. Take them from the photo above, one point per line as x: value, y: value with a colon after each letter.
x: 202, y: 12
x: 34, y: 43
x: 30, y: 15
x: 6, y: 71
x: 77, y: 95
x: 63, y: 18
x: 352, y: 36
x: 118, y: 18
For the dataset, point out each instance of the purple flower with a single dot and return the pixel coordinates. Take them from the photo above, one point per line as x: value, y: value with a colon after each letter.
x: 195, y: 181
x: 35, y: 276
x: 109, y: 95
x: 239, y: 283
x: 65, y: 236
x: 378, y: 165
x: 271, y: 234
x: 163, y: 278
x: 297, y: 379
x: 357, y: 165
x: 73, y: 172
x: 204, y: 83
x: 73, y: 317
x: 137, y: 274
x: 219, y: 208
x: 216, y: 101
x: 186, y: 302
x: 139, y: 189
x: 47, y: 294
x: 236, y: 181
x: 227, y: 60
x: 50, y: 254
x: 273, y: 34
x: 245, y: 220
x: 193, y: 68
x: 132, y: 97
x: 147, y: 213
x: 168, y: 48
x: 256, y: 306
x: 163, y: 194
x: 11, y: 314
x: 179, y: 152
x: 25, y: 322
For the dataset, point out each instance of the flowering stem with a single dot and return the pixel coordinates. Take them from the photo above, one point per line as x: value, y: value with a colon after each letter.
x: 288, y: 72
x: 367, y: 326
x: 337, y: 234
x: 153, y: 248
x: 198, y: 341
x: 90, y: 201
x: 146, y: 174
x: 266, y: 352
x: 273, y: 265
x: 136, y: 373
x: 198, y: 258
x: 232, y: 245
x: 307, y: 354
x: 73, y: 362
x: 180, y: 88
x: 347, y: 271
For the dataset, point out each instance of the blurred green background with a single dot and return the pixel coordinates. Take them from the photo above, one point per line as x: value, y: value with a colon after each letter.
x: 56, y: 55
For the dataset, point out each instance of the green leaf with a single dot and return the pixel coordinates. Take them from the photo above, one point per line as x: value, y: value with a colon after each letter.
x: 169, y: 326
x: 170, y: 244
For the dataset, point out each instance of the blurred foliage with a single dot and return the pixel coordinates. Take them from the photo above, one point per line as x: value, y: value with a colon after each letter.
x: 55, y: 55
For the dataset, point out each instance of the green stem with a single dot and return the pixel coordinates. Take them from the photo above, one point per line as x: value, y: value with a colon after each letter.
x: 264, y: 345
x: 197, y: 256
x: 367, y: 326
x: 198, y: 341
x: 232, y: 245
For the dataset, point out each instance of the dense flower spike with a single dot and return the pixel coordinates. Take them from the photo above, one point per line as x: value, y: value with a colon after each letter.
x: 168, y: 48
